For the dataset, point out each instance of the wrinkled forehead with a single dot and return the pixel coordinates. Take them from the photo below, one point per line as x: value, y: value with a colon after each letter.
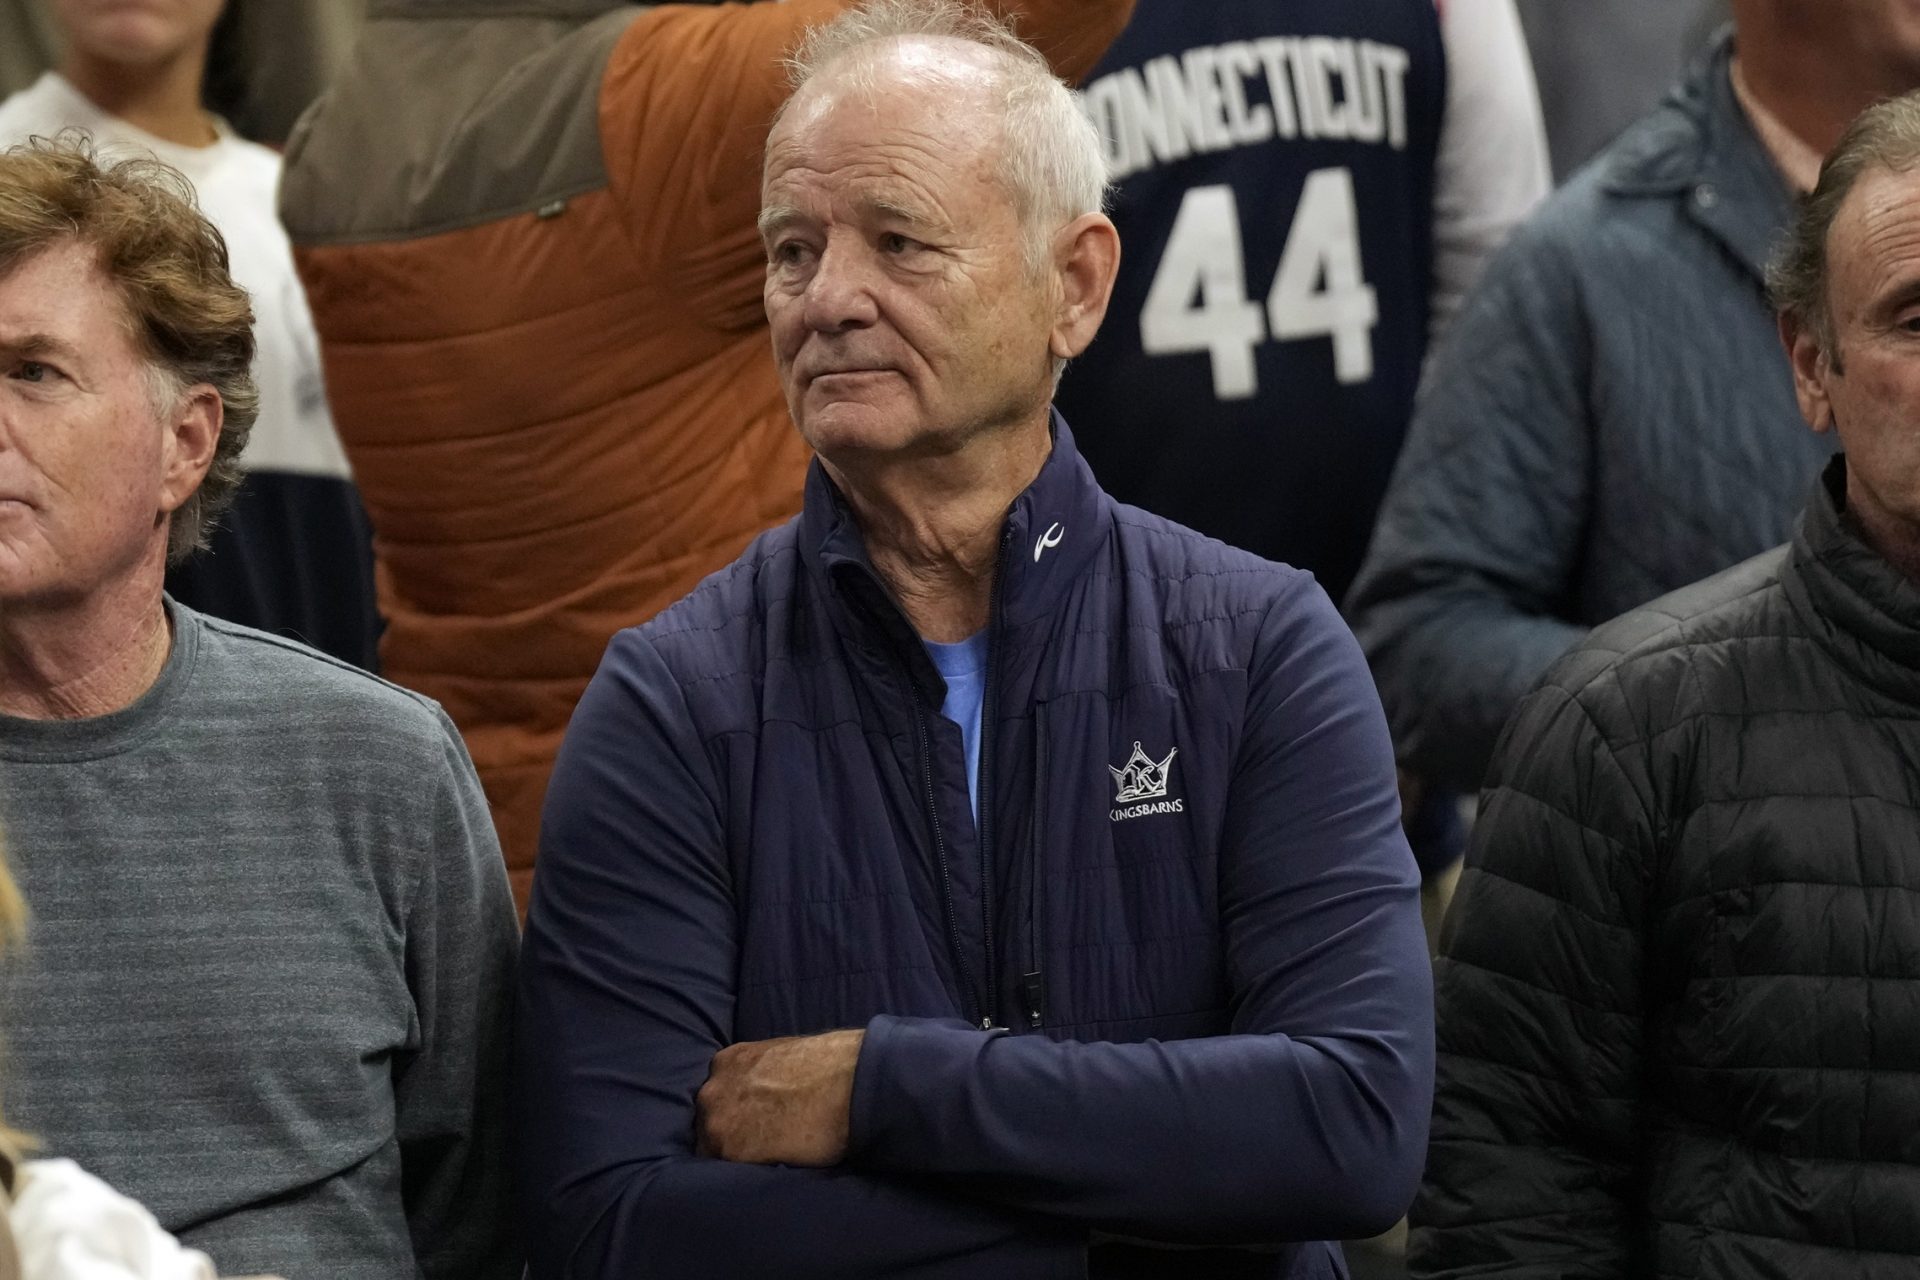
x: 1874, y: 242
x: 909, y: 93
x: 63, y: 279
x: 65, y: 288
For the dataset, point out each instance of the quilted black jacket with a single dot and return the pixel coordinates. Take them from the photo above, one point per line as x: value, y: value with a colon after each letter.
x: 1680, y: 992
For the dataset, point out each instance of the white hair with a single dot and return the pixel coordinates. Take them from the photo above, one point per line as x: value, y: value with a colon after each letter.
x: 1050, y: 154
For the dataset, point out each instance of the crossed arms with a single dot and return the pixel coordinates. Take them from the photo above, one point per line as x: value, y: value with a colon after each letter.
x: 967, y: 1153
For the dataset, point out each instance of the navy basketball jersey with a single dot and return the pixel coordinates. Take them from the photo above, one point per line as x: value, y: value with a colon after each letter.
x: 1274, y: 168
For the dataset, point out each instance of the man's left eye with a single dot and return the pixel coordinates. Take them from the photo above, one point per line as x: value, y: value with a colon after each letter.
x: 34, y: 371
x: 894, y: 242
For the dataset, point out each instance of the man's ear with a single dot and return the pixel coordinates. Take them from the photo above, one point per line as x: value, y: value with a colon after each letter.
x: 1812, y: 368
x: 1086, y: 256
x: 193, y: 433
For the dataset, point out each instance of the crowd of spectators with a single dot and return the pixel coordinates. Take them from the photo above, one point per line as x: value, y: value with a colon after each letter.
x: 865, y: 638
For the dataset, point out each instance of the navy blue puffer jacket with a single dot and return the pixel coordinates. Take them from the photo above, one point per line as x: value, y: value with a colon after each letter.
x: 1174, y: 989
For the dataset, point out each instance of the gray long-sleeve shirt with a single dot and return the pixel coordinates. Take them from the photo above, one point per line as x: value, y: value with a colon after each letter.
x: 264, y: 990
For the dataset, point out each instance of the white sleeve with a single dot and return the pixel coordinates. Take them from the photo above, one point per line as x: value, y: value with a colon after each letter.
x: 1493, y: 166
x: 69, y: 1225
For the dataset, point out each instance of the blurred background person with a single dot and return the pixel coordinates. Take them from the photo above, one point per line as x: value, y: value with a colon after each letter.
x: 1305, y: 192
x: 1680, y: 994
x: 292, y: 555
x: 527, y: 230
x: 271, y: 58
x: 1611, y: 417
x: 267, y: 61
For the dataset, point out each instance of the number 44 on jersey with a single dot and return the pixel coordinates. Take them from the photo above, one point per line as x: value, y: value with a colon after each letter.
x: 1198, y: 299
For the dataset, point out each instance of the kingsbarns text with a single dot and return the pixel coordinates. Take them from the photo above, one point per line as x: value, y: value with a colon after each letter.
x: 1249, y: 91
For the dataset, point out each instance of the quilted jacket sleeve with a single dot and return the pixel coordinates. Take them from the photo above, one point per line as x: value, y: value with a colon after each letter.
x: 626, y: 993
x: 1532, y: 1165
x: 1461, y: 604
x: 1309, y: 1120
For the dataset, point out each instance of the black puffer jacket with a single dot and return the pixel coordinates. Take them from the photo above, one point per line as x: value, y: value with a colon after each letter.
x: 1680, y: 993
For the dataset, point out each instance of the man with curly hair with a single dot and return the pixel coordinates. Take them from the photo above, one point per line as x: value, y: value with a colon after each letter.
x: 264, y: 990
x: 293, y: 554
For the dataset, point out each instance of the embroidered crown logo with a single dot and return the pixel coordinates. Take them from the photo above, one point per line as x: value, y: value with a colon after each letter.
x: 1141, y: 778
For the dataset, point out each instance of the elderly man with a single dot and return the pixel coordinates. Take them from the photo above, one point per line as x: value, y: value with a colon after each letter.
x: 265, y: 992
x: 1610, y: 418
x: 979, y: 874
x: 527, y: 228
x: 1677, y: 1006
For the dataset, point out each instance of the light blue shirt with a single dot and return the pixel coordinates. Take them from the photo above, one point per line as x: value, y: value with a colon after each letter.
x: 964, y: 667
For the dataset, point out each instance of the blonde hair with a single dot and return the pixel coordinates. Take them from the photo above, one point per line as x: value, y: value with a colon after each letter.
x: 170, y: 267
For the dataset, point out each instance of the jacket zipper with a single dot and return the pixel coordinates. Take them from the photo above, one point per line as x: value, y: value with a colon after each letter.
x: 984, y: 784
x: 1033, y: 986
x: 971, y: 992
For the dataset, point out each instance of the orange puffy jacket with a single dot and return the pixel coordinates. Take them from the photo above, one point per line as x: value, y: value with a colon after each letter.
x: 527, y: 233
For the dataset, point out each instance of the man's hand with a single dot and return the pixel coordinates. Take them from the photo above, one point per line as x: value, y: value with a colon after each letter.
x: 780, y: 1101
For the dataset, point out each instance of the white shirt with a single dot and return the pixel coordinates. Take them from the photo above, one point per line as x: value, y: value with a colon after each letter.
x: 237, y: 182
x: 69, y: 1225
x: 1492, y: 167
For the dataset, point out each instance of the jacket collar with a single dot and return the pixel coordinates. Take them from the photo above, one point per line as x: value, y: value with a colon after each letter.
x: 1052, y: 533
x: 1865, y: 610
x: 1700, y: 148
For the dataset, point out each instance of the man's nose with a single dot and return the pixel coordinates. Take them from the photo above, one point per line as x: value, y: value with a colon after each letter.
x: 840, y: 294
